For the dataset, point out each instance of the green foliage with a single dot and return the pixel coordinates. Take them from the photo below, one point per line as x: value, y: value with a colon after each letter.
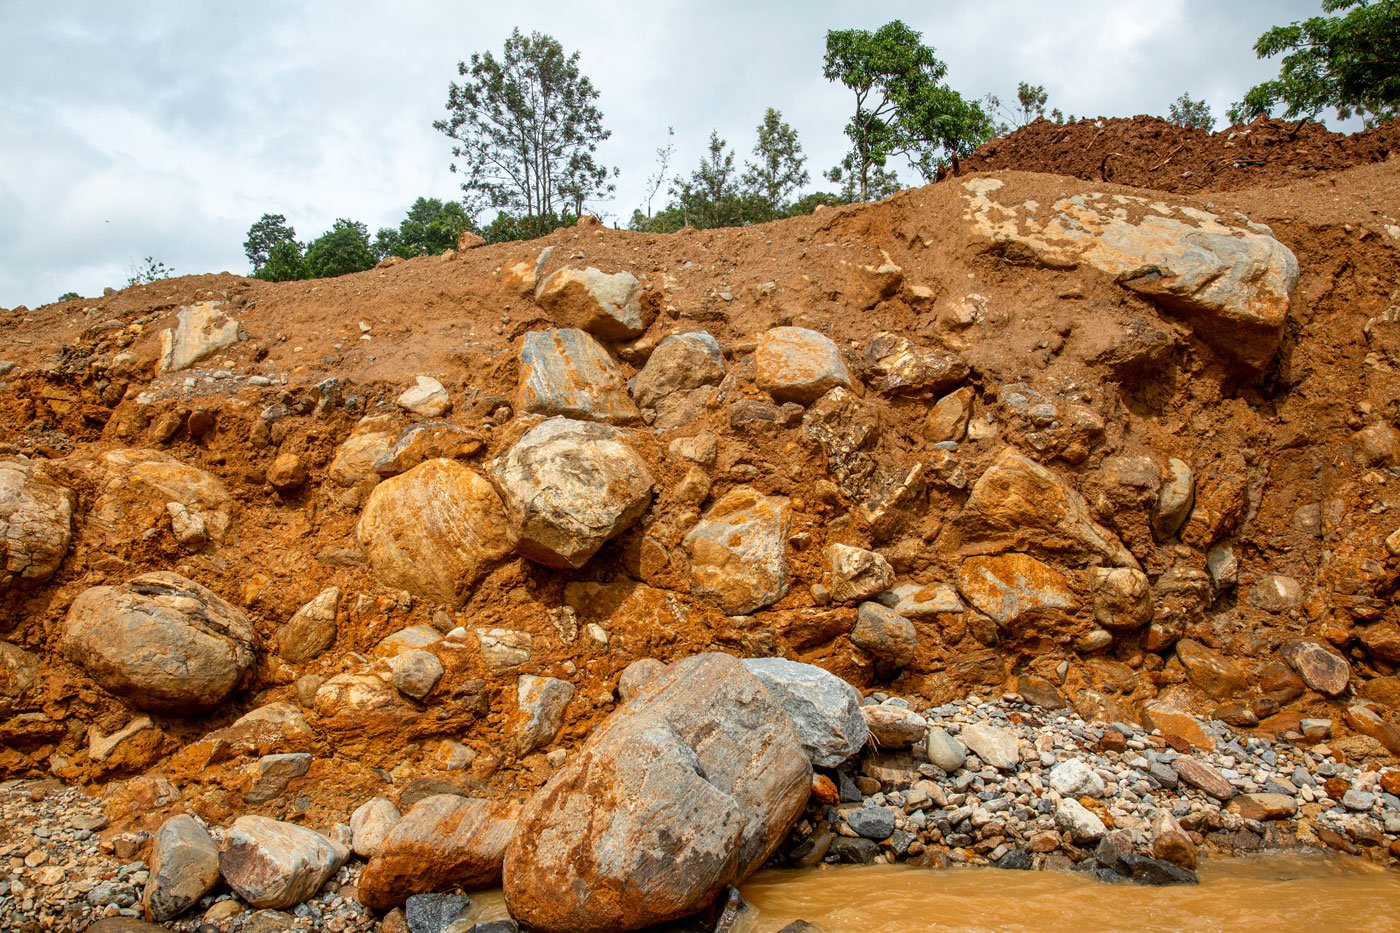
x: 778, y: 172
x: 341, y: 250
x: 1349, y: 62
x: 711, y: 196
x: 1194, y: 114
x: 266, y: 233
x: 430, y: 228
x: 149, y: 270
x: 809, y: 203
x: 285, y: 263
x: 525, y: 130
x: 508, y: 226
x: 941, y: 126
x: 1030, y: 106
x: 69, y: 296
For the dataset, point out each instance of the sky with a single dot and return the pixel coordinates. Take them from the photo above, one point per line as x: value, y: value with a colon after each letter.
x: 165, y: 128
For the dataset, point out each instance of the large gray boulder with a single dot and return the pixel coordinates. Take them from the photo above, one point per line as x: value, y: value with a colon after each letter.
x: 160, y: 641
x: 568, y: 486
x: 738, y: 551
x: 200, y: 330
x: 679, y: 377
x: 566, y: 372
x: 689, y: 787
x: 184, y: 868
x: 273, y: 864
x: 824, y: 709
x: 609, y: 306
x: 36, y: 521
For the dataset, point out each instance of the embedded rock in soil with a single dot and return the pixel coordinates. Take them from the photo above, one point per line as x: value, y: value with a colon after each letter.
x: 1321, y: 668
x: 856, y: 573
x: 200, y: 330
x: 689, y: 787
x: 161, y: 641
x: 678, y: 379
x: 444, y: 842
x: 541, y: 701
x: 823, y: 708
x: 1215, y: 675
x: 1012, y: 588
x: 636, y: 676
x: 271, y: 864
x: 312, y: 629
x: 894, y: 726
x: 1122, y: 597
x: 355, y: 458
x: 184, y: 868
x: 888, y: 637
x: 607, y: 306
x: 370, y: 825
x: 426, y: 442
x: 434, y: 531
x: 794, y: 364
x: 19, y: 672
x: 566, y: 372
x: 139, y: 488
x: 738, y: 551
x: 1175, y: 498
x: 1231, y: 280
x: 901, y: 368
x: 415, y: 673
x: 427, y: 398
x: 568, y: 487
x: 36, y: 519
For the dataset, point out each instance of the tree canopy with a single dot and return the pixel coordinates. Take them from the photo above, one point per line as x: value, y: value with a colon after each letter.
x: 1194, y: 114
x: 430, y: 227
x: 778, y: 172
x: 266, y: 233
x: 339, y: 251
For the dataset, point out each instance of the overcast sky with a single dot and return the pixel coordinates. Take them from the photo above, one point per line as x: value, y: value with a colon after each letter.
x: 166, y: 127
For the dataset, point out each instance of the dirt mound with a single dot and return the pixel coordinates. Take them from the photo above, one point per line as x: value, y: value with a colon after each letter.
x: 1149, y: 152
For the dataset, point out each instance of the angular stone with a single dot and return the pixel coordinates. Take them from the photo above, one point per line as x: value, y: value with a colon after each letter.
x: 857, y: 574
x: 1014, y: 588
x: 1210, y: 671
x: 1074, y: 778
x: 504, y: 648
x: 947, y: 419
x: 427, y: 398
x: 1038, y: 691
x: 1175, y: 498
x: 902, y: 368
x: 738, y: 551
x: 36, y: 521
x: 889, y: 638
x: 1178, y: 723
x: 678, y: 378
x: 914, y: 601
x: 415, y: 672
x: 944, y: 750
x: 271, y: 864
x: 1276, y: 593
x: 894, y: 726
x: 566, y: 372
x: 1169, y: 841
x: 1262, y: 807
x: 823, y: 708
x: 370, y: 825
x: 541, y: 701
x: 607, y: 306
x: 794, y: 364
x: 427, y: 442
x: 568, y: 487
x: 440, y: 913
x: 287, y: 474
x: 355, y: 458
x: 996, y: 746
x: 201, y: 329
x: 312, y: 629
x: 139, y: 487
x: 689, y: 787
x: 1203, y: 777
x: 1122, y: 597
x: 161, y: 641
x: 872, y: 822
x: 1382, y: 641
x: 1082, y: 824
x: 1321, y: 668
x: 19, y: 672
x: 445, y: 841
x: 184, y: 868
x: 434, y: 531
x: 272, y: 774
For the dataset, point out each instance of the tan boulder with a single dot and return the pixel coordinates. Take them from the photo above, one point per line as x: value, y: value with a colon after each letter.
x: 1321, y: 668
x: 36, y: 519
x: 1015, y: 588
x: 738, y: 551
x: 356, y: 456
x: 271, y: 864
x: 139, y: 488
x: 312, y: 629
x: 1178, y: 723
x: 566, y: 372
x: 200, y: 330
x: 607, y: 306
x: 1210, y: 671
x: 434, y: 531
x: 857, y: 573
x: 794, y: 364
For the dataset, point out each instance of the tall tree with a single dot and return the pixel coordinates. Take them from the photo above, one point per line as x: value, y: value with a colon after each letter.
x: 778, y: 172
x: 941, y: 126
x: 1030, y: 106
x: 1194, y: 114
x: 265, y: 233
x: 526, y: 130
x: 284, y: 264
x: 1348, y: 62
x: 430, y: 227
x: 340, y: 250
x: 711, y: 197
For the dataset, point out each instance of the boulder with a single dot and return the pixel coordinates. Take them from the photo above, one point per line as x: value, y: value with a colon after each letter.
x: 857, y: 574
x: 427, y: 398
x: 1170, y: 843
x: 689, y: 787
x: 541, y: 701
x: 607, y: 306
x: 160, y: 641
x: 678, y: 379
x: 1175, y: 498
x: 888, y: 637
x: 1075, y: 778
x: 1122, y: 597
x: 945, y: 751
x: 36, y: 521
x: 355, y: 458
x: 1215, y: 675
x: 1014, y: 588
x: 271, y: 864
x: 894, y: 726
x: 1229, y: 278
x: 823, y: 708
x: 445, y: 841
x: 947, y: 419
x: 902, y: 368
x: 566, y: 372
x: 636, y: 676
x: 427, y: 442
x: 140, y: 486
x: 1082, y: 824
x: 996, y: 746
x: 794, y: 364
x: 738, y: 551
x: 415, y: 672
x: 568, y: 487
x: 184, y: 868
x: 1321, y: 668
x: 370, y: 825
x: 434, y: 531
x: 312, y: 629
x: 200, y: 330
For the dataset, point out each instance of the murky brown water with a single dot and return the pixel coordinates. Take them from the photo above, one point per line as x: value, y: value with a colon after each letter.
x: 1276, y: 893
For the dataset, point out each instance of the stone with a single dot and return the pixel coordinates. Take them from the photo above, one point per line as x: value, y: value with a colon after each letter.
x: 1210, y: 671
x: 162, y: 642
x: 434, y: 531
x: 427, y: 398
x: 1230, y: 279
x: 184, y: 868
x: 1147, y: 871
x: 1074, y: 778
x: 1018, y: 504
x: 1176, y: 723
x: 1368, y: 722
x: 1082, y: 824
x: 446, y: 841
x: 996, y: 746
x: 1014, y: 589
x: 541, y: 701
x: 288, y: 474
x: 702, y: 448
x: 872, y: 822
x: 138, y: 488
x: 636, y: 676
x: 1175, y: 498
x: 566, y: 372
x: 1038, y: 691
x: 1382, y: 641
x: 36, y: 522
x: 857, y: 574
x: 504, y: 648
x: 894, y: 726
x: 1203, y: 777
x: 415, y: 672
x: 357, y: 455
x: 370, y: 824
x: 738, y: 551
x: 1377, y: 445
x: 947, y: 420
x: 914, y: 601
x: 272, y: 773
x: 569, y: 487
x: 794, y: 364
x: 200, y: 330
x: 1276, y: 593
x: 688, y: 788
x: 19, y: 672
x: 889, y: 638
x: 1321, y: 668
x: 679, y: 377
x: 437, y: 913
x: 427, y: 442
x: 312, y: 629
x: 1170, y: 843
x: 899, y: 367
x: 271, y: 864
x: 609, y: 306
x: 1262, y: 807
x: 824, y: 710
x: 1122, y: 597
x: 1223, y: 567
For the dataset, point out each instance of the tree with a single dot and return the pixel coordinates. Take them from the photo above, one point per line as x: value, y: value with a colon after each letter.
x: 941, y: 126
x: 1030, y: 100
x: 69, y: 296
x: 526, y: 129
x: 149, y: 271
x: 779, y: 171
x: 711, y: 196
x: 430, y: 228
x: 663, y: 165
x: 268, y: 231
x: 1193, y: 114
x: 284, y: 264
x: 341, y: 250
x: 1349, y: 62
